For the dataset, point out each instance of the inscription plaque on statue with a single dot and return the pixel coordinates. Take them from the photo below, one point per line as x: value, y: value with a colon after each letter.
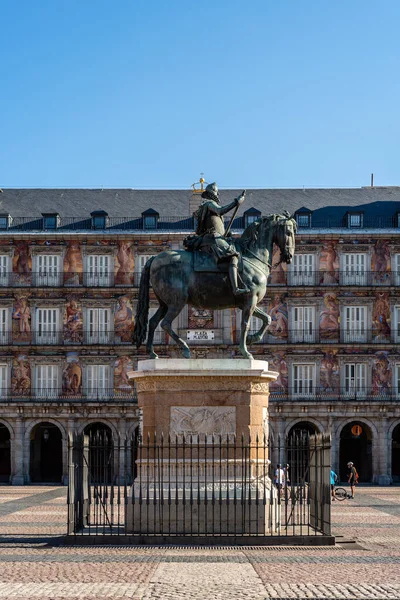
x: 200, y: 334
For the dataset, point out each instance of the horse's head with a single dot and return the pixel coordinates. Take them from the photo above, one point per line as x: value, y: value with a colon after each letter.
x: 284, y: 230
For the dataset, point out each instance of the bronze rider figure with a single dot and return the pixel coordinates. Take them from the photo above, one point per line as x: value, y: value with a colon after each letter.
x: 211, y: 231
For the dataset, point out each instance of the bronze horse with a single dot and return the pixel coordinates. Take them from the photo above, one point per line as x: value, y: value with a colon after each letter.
x: 175, y: 283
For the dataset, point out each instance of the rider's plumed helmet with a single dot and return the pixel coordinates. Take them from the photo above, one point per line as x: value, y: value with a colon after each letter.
x: 211, y: 192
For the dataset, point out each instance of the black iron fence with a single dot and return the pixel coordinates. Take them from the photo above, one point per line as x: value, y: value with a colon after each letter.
x: 190, y: 487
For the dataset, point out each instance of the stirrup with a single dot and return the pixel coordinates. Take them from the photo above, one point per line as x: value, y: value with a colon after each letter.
x: 240, y: 291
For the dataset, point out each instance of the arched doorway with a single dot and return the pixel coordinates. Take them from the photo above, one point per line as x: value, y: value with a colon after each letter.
x: 5, y: 454
x: 45, y: 464
x: 356, y: 446
x: 101, y: 455
x: 396, y: 454
x: 298, y: 451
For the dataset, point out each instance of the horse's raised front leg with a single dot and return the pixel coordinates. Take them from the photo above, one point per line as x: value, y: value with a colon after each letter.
x: 153, y: 322
x: 166, y: 324
x: 247, y: 313
x: 266, y: 322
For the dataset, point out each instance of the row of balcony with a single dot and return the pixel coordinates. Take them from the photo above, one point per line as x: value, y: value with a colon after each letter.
x: 132, y: 279
x: 298, y: 336
x: 292, y: 394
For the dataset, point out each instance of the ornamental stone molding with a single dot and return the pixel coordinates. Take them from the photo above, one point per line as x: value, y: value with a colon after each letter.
x: 193, y: 383
x: 354, y: 248
x: 100, y: 250
x: 57, y: 250
x: 97, y: 360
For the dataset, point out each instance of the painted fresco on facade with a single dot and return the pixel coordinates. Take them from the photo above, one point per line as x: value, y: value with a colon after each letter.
x: 330, y: 373
x: 381, y: 374
x: 20, y: 375
x: 72, y: 375
x: 329, y: 317
x: 122, y: 366
x: 278, y: 364
x: 329, y: 264
x: 21, y: 319
x: 381, y: 262
x: 73, y: 320
x: 123, y: 319
x: 22, y: 264
x: 278, y: 312
x: 199, y: 318
x: 73, y: 263
x: 124, y: 264
x: 381, y: 317
x: 278, y: 272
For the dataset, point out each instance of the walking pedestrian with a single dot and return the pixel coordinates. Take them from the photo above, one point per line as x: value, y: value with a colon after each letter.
x: 353, y: 477
x: 279, y: 477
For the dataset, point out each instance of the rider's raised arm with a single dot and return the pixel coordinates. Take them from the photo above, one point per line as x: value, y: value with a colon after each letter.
x: 215, y: 208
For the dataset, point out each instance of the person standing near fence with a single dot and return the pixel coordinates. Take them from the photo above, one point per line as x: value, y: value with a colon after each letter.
x: 333, y: 483
x: 353, y: 477
x: 279, y: 478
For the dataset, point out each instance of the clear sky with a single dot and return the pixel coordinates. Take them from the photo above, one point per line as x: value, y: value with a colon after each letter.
x: 149, y: 93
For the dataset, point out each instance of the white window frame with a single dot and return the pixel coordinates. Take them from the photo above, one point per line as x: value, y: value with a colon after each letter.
x: 99, y: 325
x: 396, y: 323
x: 47, y: 328
x: 396, y: 268
x: 396, y: 382
x: 47, y: 381
x: 95, y: 375
x: 304, y: 380
x: 5, y: 325
x: 302, y: 319
x: 355, y: 220
x: 5, y: 269
x: 354, y: 269
x: 99, y: 270
x: 354, y: 324
x: 302, y: 270
x: 47, y: 269
x: 4, y: 379
x: 141, y: 260
x: 355, y: 379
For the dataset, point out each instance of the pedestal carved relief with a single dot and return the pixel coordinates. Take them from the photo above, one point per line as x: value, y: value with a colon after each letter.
x: 205, y: 420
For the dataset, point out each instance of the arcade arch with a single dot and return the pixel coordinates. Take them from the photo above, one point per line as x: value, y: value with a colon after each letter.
x: 396, y: 454
x: 45, y: 457
x: 356, y: 446
x: 5, y: 454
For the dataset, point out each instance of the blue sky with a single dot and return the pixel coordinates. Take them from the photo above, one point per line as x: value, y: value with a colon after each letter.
x: 146, y: 93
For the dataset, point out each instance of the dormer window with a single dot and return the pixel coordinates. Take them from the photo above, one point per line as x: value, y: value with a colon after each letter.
x: 150, y: 219
x: 50, y: 220
x: 303, y: 217
x: 251, y: 215
x: 5, y: 221
x: 354, y: 219
x: 397, y: 220
x: 99, y: 219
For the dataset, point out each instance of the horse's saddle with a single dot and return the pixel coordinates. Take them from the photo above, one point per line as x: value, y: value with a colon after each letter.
x: 206, y: 263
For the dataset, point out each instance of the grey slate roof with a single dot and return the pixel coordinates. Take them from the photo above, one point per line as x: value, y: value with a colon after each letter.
x: 131, y: 203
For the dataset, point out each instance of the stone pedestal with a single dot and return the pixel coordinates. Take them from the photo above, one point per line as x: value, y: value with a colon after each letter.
x: 205, y: 422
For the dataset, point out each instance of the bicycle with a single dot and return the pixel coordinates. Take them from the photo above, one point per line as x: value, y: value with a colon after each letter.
x: 341, y: 494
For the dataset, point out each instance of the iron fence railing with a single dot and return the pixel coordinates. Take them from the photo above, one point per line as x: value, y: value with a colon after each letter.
x: 197, y: 488
x: 340, y: 394
x: 338, y: 277
x: 385, y: 335
x: 71, y: 336
x: 48, y: 394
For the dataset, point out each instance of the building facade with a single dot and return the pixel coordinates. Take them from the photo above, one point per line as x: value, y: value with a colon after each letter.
x: 69, y: 278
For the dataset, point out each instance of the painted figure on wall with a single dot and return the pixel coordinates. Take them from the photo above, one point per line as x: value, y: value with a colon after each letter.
x: 199, y: 318
x: 73, y: 264
x: 124, y: 264
x: 123, y: 320
x: 381, y: 262
x: 22, y: 264
x: 329, y: 373
x: 381, y: 374
x: 122, y: 366
x: 278, y: 272
x: 329, y: 318
x: 329, y: 264
x: 73, y: 321
x: 279, y: 317
x: 72, y: 375
x: 278, y: 363
x: 381, y: 317
x: 21, y: 319
x: 20, y: 376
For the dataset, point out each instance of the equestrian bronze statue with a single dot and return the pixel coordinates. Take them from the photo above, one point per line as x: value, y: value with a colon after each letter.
x: 206, y: 275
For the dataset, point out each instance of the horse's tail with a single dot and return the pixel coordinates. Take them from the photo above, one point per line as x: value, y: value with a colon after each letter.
x: 142, y: 309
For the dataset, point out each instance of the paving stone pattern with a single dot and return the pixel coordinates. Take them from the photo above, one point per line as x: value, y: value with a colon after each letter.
x: 34, y: 565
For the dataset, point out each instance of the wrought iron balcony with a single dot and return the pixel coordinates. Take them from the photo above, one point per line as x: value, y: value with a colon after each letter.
x: 63, y: 395
x: 71, y: 336
x: 322, y: 336
x: 308, y: 393
x: 66, y: 280
x: 307, y: 278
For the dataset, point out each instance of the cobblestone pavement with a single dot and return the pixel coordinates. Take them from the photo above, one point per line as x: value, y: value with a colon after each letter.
x: 31, y: 566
